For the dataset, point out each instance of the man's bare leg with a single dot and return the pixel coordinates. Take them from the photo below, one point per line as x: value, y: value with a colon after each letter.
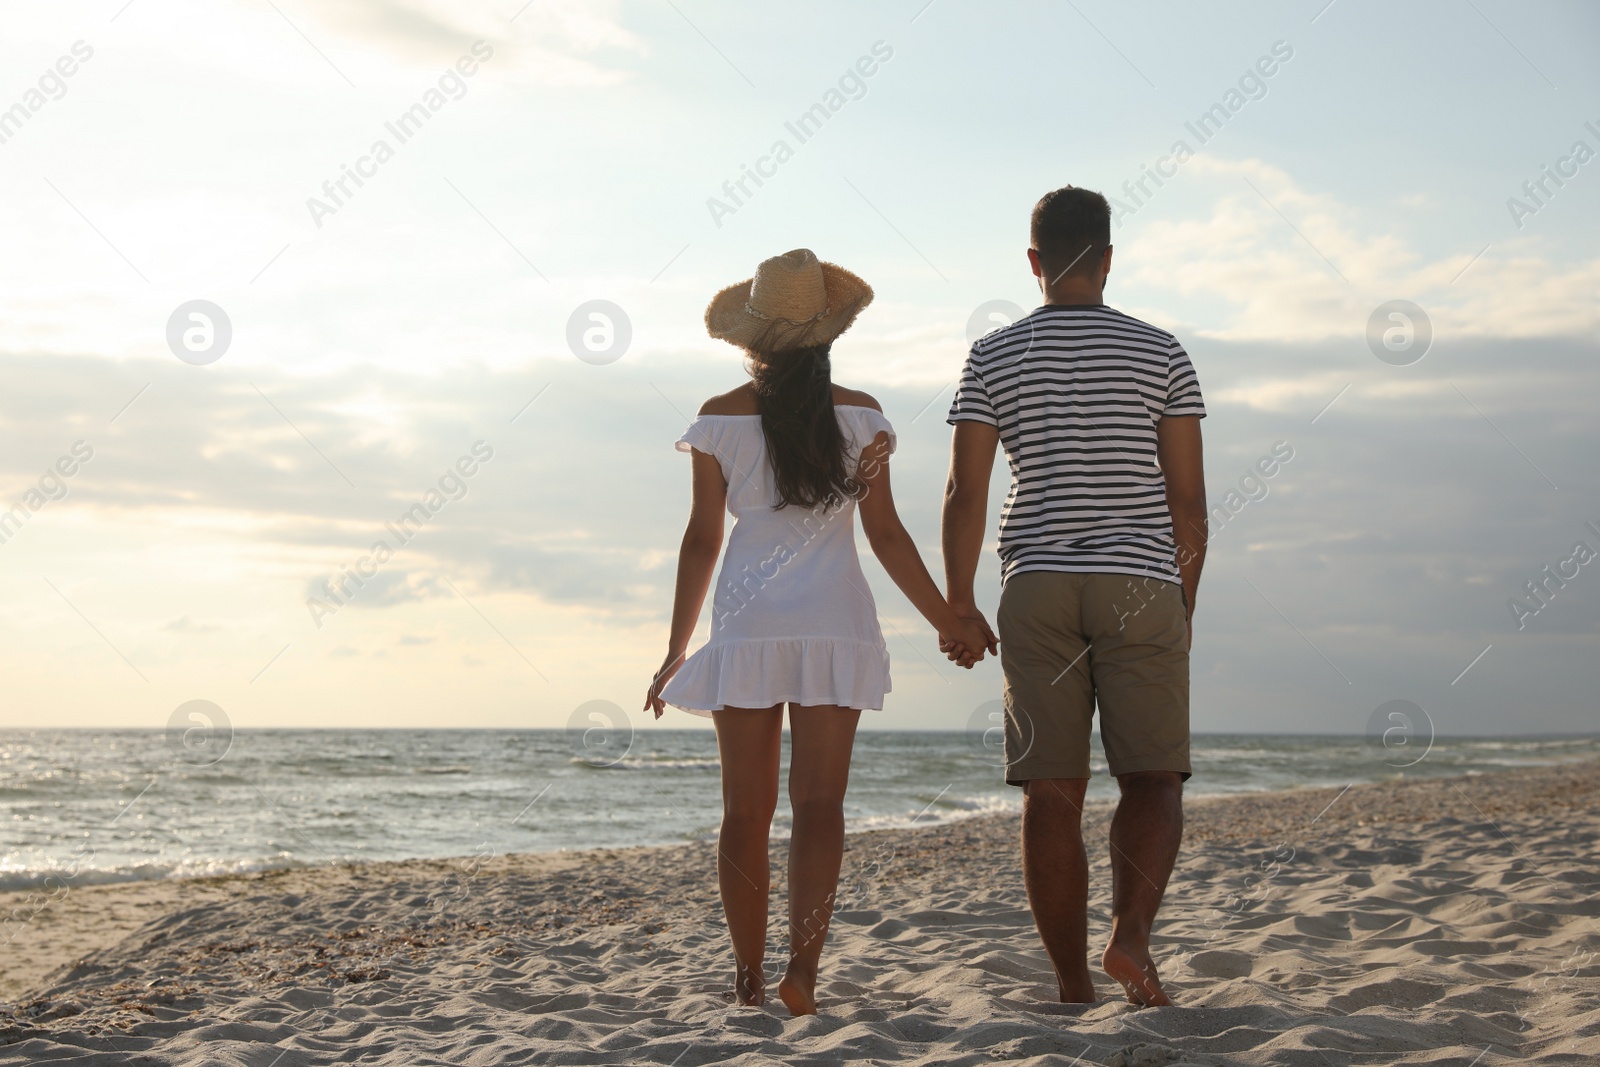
x: 1145, y: 833
x: 1056, y: 870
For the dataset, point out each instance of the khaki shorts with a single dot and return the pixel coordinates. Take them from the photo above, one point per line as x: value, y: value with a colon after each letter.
x: 1071, y: 641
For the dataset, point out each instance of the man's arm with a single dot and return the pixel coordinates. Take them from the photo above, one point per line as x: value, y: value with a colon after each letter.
x: 966, y: 506
x: 1179, y: 451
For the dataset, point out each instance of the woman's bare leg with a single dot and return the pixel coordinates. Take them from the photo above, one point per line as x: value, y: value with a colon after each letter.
x: 748, y: 741
x: 819, y: 771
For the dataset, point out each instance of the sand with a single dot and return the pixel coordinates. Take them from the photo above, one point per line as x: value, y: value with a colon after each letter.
x: 1426, y: 922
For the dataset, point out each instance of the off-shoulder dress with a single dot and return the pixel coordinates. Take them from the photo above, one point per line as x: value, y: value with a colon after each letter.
x: 792, y: 618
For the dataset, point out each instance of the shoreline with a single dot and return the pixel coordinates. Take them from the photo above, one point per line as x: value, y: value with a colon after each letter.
x: 10, y: 896
x: 132, y: 902
x: 78, y: 968
x: 1549, y: 735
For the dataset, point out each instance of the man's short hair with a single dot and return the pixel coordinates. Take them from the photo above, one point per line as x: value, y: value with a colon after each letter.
x: 1071, y: 230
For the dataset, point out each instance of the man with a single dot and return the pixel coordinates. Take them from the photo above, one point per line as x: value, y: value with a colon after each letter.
x: 1101, y: 544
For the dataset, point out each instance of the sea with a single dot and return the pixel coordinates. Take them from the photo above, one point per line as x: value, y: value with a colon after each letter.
x: 83, y: 807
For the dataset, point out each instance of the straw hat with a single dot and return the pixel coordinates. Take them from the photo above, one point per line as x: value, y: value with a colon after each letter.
x: 795, y: 299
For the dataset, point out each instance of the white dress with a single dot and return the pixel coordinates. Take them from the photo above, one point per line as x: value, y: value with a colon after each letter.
x: 792, y: 618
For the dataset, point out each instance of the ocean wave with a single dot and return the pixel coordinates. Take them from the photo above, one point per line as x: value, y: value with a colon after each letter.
x: 947, y: 809
x: 52, y: 880
x: 375, y: 796
x: 650, y: 763
x: 1580, y: 744
x: 1528, y: 761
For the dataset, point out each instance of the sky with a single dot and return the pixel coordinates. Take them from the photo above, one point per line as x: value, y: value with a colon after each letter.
x: 181, y: 500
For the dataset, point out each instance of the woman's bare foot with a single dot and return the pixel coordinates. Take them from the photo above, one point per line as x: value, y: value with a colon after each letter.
x: 1136, y: 972
x: 798, y: 988
x: 749, y: 985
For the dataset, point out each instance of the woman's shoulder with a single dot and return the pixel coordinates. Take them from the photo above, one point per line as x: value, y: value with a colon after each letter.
x: 740, y: 401
x: 862, y: 416
x: 743, y: 401
x: 855, y: 398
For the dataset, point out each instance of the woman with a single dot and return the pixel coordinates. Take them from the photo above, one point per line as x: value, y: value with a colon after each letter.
x: 791, y: 456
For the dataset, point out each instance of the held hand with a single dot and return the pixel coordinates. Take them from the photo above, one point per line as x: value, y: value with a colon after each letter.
x: 967, y: 645
x: 957, y: 653
x: 989, y: 642
x: 669, y: 667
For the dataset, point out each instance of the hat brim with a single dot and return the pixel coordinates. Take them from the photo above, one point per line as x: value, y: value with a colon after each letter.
x: 728, y: 318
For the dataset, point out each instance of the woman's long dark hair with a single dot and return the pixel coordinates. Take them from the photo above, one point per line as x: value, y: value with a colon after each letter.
x: 807, y: 448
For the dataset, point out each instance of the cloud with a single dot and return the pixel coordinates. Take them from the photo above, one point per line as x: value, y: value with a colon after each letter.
x: 384, y: 590
x: 1415, y: 507
x: 1259, y: 279
x: 183, y: 624
x: 547, y: 42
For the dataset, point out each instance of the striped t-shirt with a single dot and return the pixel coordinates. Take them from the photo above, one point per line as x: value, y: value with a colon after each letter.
x: 1075, y: 391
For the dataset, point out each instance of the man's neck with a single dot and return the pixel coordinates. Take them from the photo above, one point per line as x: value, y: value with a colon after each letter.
x: 1074, y: 295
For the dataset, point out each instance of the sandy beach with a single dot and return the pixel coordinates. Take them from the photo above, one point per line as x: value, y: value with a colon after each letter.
x: 1449, y: 921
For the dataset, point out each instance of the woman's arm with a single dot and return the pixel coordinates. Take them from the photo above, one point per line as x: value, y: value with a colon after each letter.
x: 898, y: 553
x: 697, y: 560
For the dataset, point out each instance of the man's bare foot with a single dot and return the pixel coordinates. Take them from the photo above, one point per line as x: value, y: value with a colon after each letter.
x: 1079, y: 990
x: 798, y: 989
x: 1136, y: 972
x: 749, y: 985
